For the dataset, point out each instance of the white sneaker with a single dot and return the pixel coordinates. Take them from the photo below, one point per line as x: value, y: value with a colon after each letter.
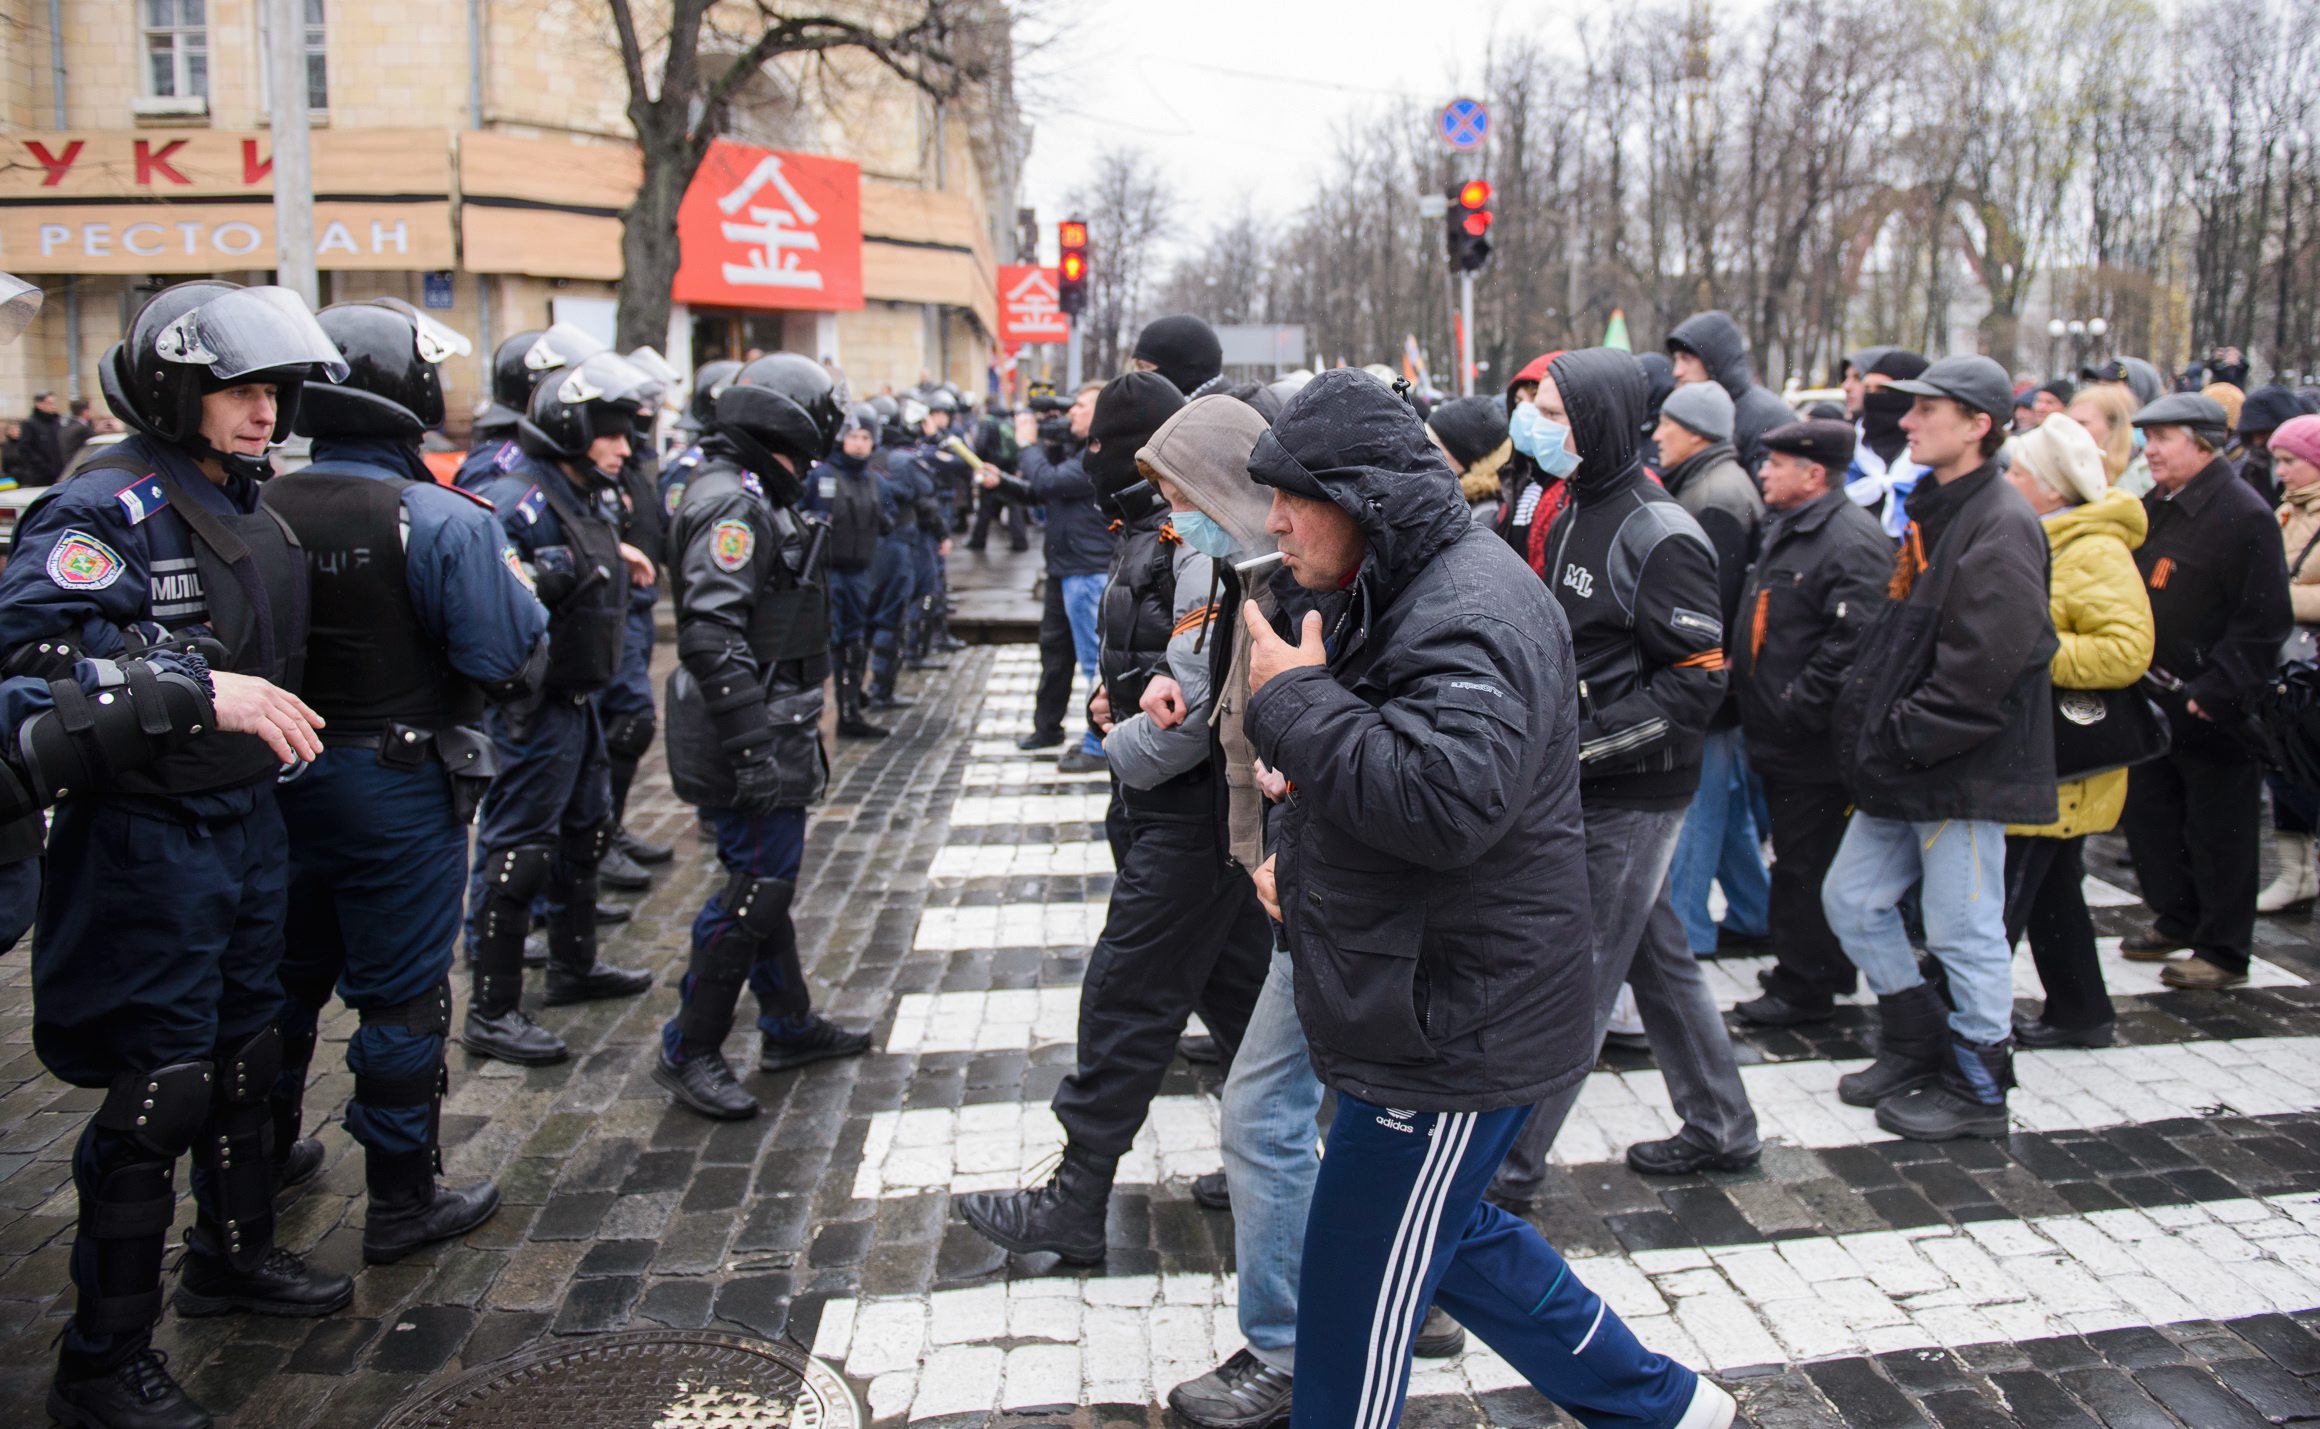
x: 2298, y: 882
x: 1711, y: 1407
x: 1625, y: 1020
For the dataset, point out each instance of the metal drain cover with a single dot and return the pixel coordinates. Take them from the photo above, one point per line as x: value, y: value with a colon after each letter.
x: 643, y: 1379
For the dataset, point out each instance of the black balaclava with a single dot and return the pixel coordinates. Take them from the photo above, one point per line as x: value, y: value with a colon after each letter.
x: 1182, y: 349
x: 1882, y: 411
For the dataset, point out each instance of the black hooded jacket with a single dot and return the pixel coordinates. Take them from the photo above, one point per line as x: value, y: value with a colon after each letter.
x: 1755, y: 409
x: 1430, y: 859
x: 1636, y: 578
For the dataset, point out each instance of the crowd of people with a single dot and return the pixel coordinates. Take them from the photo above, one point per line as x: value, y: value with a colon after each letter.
x: 1430, y: 727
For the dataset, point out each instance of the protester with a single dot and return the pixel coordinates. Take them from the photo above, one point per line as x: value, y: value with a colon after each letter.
x: 74, y: 434
x: 1720, y: 841
x: 1533, y: 497
x: 1815, y: 589
x: 1882, y: 475
x: 1709, y: 347
x: 1853, y: 380
x: 2218, y: 584
x: 1635, y: 578
x: 2107, y: 411
x: 1472, y: 432
x: 1183, y: 349
x: 2264, y: 411
x: 1078, y: 550
x: 1944, y: 732
x: 2293, y: 451
x: 1434, y: 756
x: 2102, y: 621
x: 40, y: 445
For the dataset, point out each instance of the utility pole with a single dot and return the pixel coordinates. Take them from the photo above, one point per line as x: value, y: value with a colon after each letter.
x: 293, y: 157
x: 1466, y: 333
x: 1071, y: 359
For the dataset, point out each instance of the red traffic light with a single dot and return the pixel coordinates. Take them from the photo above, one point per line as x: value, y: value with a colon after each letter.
x: 1473, y: 194
x: 1072, y: 235
x: 1074, y: 267
x: 1478, y: 223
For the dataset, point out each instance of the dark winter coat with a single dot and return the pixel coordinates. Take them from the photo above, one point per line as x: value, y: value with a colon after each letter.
x: 1079, y: 536
x: 40, y: 451
x: 1636, y: 579
x: 1948, y: 712
x: 2217, y: 575
x: 1711, y: 485
x: 1755, y: 409
x: 1815, y: 590
x: 1430, y: 861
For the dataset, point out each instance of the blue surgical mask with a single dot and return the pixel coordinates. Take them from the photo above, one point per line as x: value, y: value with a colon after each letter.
x: 1549, y: 451
x: 1202, y: 534
x: 1522, y: 427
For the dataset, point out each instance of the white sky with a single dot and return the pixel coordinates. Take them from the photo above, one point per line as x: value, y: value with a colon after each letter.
x: 1240, y: 98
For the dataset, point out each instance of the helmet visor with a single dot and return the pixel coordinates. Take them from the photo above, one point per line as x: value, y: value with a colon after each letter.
x: 19, y: 300
x: 437, y: 344
x: 655, y: 366
x: 606, y: 377
x: 251, y: 330
x: 560, y: 346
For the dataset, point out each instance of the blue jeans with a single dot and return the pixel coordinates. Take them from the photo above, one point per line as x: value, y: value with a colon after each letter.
x: 1081, y: 596
x: 1399, y: 1223
x: 1271, y: 1102
x: 1963, y: 864
x: 1722, y: 841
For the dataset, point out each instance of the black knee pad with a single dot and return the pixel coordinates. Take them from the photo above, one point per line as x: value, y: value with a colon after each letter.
x: 759, y: 905
x: 583, y: 850
x: 629, y: 736
x: 427, y: 1015
x: 512, y: 878
x: 245, y: 1074
x: 161, y: 1110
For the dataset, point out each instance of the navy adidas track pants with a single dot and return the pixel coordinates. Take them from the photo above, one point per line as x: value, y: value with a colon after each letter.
x: 1399, y: 1223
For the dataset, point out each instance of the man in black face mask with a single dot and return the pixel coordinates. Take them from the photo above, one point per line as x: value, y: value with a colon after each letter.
x: 1882, y: 475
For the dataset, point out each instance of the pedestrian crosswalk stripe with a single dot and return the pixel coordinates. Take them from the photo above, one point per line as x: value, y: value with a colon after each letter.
x: 971, y: 810
x: 1024, y: 770
x: 1009, y: 925
x: 1012, y: 1020
x: 1066, y: 860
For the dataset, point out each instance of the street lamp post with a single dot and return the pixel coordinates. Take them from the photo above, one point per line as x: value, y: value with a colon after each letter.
x: 2080, y: 331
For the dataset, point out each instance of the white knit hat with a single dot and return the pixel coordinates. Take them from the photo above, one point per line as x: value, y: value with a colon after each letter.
x: 2060, y: 453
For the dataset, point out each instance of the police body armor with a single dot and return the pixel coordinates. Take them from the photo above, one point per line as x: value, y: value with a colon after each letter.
x: 253, y: 578
x: 370, y: 663
x: 585, y: 628
x: 788, y: 635
x: 1135, y: 623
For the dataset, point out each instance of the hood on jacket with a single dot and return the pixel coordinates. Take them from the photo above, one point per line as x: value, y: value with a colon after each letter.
x: 1363, y: 447
x: 1531, y: 372
x: 1715, y: 339
x: 2114, y: 513
x: 1204, y: 451
x: 1603, y: 395
x: 1659, y: 384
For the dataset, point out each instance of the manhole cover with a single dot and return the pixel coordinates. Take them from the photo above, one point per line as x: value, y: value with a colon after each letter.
x: 643, y: 1379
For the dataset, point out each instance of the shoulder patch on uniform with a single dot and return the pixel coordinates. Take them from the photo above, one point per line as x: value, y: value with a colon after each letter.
x: 141, y: 498
x: 80, y: 561
x: 515, y: 564
x: 535, y: 501
x: 507, y: 456
x: 752, y: 485
x: 676, y: 496
x: 732, y: 542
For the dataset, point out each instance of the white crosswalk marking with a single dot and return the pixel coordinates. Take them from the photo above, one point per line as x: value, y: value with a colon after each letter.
x: 1010, y: 925
x: 1002, y: 1145
x: 1006, y: 1021
x: 971, y: 811
x: 1717, y: 1307
x: 962, y: 861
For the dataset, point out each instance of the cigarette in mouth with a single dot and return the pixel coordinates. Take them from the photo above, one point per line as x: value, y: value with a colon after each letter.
x: 1251, y: 567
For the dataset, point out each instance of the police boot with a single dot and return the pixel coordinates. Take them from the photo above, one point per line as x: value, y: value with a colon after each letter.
x: 697, y: 1074
x: 497, y: 1025
x: 1913, y: 1028
x: 619, y: 871
x: 574, y: 972
x: 922, y: 632
x: 410, y: 1208
x: 124, y: 1171
x: 1065, y: 1217
x: 851, y: 724
x: 231, y: 1261
x: 1968, y: 1098
x: 644, y: 851
x: 296, y: 1158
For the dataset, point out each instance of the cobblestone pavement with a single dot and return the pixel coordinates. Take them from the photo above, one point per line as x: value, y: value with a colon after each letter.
x: 2145, y: 1250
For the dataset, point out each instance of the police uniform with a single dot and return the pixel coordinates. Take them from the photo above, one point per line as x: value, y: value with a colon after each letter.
x: 939, y: 475
x: 625, y: 706
x: 155, y: 959
x: 866, y: 592
x: 900, y: 487
x: 417, y: 613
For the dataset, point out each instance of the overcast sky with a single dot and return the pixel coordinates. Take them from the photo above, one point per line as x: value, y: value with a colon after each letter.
x: 1238, y: 99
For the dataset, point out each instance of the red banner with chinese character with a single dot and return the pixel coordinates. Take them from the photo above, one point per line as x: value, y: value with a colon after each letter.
x: 764, y: 229
x: 1027, y: 306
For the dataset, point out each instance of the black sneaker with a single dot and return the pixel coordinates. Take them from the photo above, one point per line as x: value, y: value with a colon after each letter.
x: 704, y: 1082
x: 137, y: 1393
x: 1678, y: 1156
x: 610, y: 913
x: 620, y: 871
x: 1040, y: 739
x: 2041, y: 1033
x: 512, y: 1037
x: 1076, y: 760
x: 1211, y: 1192
x: 1242, y: 1393
x: 1200, y: 1051
x: 1773, y: 1010
x: 820, y: 1040
x: 282, y: 1284
x: 1440, y: 1337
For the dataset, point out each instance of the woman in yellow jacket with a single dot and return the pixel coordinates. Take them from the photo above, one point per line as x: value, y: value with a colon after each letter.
x: 2103, y: 620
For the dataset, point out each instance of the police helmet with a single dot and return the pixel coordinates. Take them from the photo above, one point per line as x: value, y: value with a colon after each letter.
x: 913, y: 414
x: 886, y: 407
x: 19, y: 301
x: 393, y: 386
x: 782, y: 404
x: 942, y: 400
x: 511, y: 381
x: 207, y: 335
x: 600, y: 395
x: 712, y: 379
x: 666, y: 379
x: 861, y: 417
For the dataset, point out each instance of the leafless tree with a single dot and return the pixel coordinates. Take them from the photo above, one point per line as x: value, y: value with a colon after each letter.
x: 1130, y: 210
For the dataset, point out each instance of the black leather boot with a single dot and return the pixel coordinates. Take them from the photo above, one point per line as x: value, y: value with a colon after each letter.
x: 575, y: 974
x: 1968, y: 1098
x: 853, y: 660
x: 296, y: 1158
x: 137, y: 1393
x: 1913, y: 1028
x: 497, y: 1026
x: 278, y: 1284
x: 410, y: 1208
x: 1065, y: 1217
x: 704, y: 1082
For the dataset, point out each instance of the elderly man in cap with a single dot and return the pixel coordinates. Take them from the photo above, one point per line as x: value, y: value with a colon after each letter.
x: 2217, y: 576
x: 1815, y: 588
x: 1944, y: 732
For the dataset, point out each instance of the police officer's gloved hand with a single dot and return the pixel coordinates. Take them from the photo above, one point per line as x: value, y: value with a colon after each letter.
x: 757, y: 787
x: 554, y: 575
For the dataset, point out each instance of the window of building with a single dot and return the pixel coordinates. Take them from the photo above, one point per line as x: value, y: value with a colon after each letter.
x: 177, y: 49
x: 317, y: 61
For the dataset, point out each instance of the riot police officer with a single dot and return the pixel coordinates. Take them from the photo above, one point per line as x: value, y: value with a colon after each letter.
x: 865, y: 566
x: 417, y: 620
x: 497, y: 457
x: 942, y: 474
x: 745, y: 709
x: 155, y: 958
x: 547, y: 818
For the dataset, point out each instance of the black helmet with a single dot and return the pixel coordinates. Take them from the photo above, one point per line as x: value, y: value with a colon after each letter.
x: 941, y: 400
x: 886, y: 407
x: 392, y: 387
x: 595, y: 397
x: 511, y: 381
x: 707, y: 383
x: 812, y: 405
x: 861, y: 417
x: 203, y: 336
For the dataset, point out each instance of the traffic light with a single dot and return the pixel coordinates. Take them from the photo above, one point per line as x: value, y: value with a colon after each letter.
x: 1072, y: 268
x: 1468, y: 223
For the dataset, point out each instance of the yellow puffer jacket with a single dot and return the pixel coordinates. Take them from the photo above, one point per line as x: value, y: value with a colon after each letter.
x: 2103, y: 619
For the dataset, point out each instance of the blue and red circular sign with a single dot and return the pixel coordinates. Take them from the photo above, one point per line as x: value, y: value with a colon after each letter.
x: 1465, y: 124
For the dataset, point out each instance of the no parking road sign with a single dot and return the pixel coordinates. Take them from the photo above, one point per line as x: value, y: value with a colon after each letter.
x: 1464, y: 125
